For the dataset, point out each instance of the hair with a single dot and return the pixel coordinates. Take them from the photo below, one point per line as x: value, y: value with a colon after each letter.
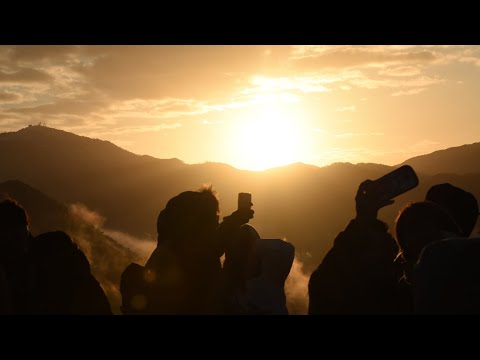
x: 12, y: 214
x: 186, y: 213
x: 460, y: 204
x: 419, y: 224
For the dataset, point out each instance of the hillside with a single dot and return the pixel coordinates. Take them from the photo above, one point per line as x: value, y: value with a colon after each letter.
x: 458, y: 160
x: 307, y: 205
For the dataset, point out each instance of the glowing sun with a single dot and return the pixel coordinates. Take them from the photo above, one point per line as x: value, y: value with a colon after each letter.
x: 269, y: 137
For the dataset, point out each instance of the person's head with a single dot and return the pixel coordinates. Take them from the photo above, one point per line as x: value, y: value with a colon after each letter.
x: 59, y: 275
x: 421, y: 223
x: 14, y: 232
x: 460, y: 204
x: 190, y: 220
x: 56, y: 251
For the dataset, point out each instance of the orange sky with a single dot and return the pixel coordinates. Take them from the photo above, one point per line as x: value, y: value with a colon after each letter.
x: 253, y: 107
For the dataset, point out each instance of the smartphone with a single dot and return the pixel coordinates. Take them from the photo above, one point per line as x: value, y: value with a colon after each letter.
x: 394, y: 183
x: 244, y: 201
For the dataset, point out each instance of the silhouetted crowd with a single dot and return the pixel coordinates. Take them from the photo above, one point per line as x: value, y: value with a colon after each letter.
x: 429, y: 266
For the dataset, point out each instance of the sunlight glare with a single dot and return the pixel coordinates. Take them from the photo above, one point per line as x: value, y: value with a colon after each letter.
x: 269, y: 137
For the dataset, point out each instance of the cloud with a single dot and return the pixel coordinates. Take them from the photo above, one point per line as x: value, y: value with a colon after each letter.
x: 65, y: 122
x: 6, y: 53
x: 62, y: 106
x: 141, y: 247
x: 90, y: 116
x: 306, y: 84
x: 82, y: 212
x: 377, y: 67
x: 24, y: 75
x: 409, y: 92
x: 153, y: 72
x: 6, y: 96
x: 317, y: 57
x: 375, y: 83
x: 141, y: 88
x: 162, y: 108
x: 12, y: 122
x: 400, y: 71
x: 68, y: 83
x: 296, y: 289
x: 135, y: 129
x: 471, y: 60
x: 26, y: 53
x: 323, y: 81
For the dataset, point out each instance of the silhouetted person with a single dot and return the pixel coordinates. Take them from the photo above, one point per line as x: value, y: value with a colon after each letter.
x: 447, y: 277
x: 419, y: 224
x: 183, y: 275
x: 14, y: 239
x: 460, y: 204
x: 62, y: 282
x: 256, y: 270
x: 359, y: 274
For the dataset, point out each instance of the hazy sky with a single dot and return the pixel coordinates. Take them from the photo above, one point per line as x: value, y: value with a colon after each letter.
x: 253, y: 107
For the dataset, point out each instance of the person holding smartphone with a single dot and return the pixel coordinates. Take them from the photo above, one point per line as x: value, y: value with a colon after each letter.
x: 359, y: 275
x: 255, y: 268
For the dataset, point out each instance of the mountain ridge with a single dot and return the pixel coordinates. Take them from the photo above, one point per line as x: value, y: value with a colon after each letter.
x: 306, y: 204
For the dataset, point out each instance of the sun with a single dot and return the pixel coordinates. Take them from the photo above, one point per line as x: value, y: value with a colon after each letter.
x: 269, y: 136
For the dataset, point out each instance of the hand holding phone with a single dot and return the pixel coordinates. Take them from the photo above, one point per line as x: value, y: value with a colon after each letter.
x: 244, y: 201
x: 245, y: 206
x: 394, y: 183
x: 373, y: 195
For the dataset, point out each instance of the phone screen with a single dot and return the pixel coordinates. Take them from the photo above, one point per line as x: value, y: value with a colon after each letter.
x: 395, y: 183
x: 244, y: 201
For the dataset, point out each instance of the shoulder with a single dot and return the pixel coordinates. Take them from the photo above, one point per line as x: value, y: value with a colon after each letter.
x: 445, y: 251
x: 276, y: 246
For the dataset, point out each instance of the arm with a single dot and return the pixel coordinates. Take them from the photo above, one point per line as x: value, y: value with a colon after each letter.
x: 231, y: 224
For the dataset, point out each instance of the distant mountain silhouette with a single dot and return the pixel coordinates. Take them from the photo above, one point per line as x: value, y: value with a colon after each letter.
x: 455, y: 160
x: 306, y: 204
x: 75, y: 168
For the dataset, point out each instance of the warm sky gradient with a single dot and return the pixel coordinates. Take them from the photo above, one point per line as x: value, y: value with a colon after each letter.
x: 250, y: 106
